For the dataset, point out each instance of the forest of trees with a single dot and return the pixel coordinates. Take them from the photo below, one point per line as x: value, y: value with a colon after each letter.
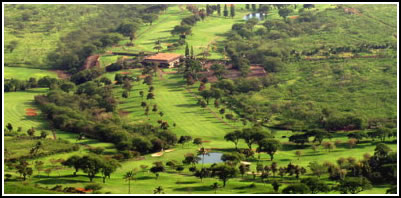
x: 114, y: 23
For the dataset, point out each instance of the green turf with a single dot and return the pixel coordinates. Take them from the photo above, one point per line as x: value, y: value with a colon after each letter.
x: 179, y: 106
x: 26, y: 73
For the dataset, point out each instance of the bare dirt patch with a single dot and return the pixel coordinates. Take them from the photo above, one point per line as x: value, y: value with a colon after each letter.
x: 124, y: 73
x: 123, y: 113
x: 91, y: 61
x: 31, y: 112
x: 293, y: 17
x: 254, y: 71
x: 61, y: 74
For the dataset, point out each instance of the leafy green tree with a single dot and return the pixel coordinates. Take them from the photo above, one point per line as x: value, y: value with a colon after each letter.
x: 234, y: 137
x: 43, y: 134
x: 91, y: 165
x: 232, y: 11
x: 127, y: 28
x: 276, y: 186
x: 158, y: 167
x: 182, y: 30
x: 9, y: 126
x: 12, y: 45
x: 198, y: 141
x: 232, y: 158
x: 24, y: 169
x: 284, y: 12
x: 191, y: 159
x: 299, y: 188
x: 225, y: 12
x: 224, y: 172
x: 202, y: 173
x: 315, y: 185
x: 243, y: 168
x: 270, y: 146
x: 184, y: 139
x: 74, y: 162
x: 317, y: 169
x: 39, y: 166
x: 253, y: 7
x: 252, y: 135
x: 31, y: 132
x: 329, y: 145
x: 109, y: 167
x: 187, y: 51
x: 218, y: 9
x: 219, y: 70
x: 149, y: 18
x: 353, y: 185
x: 250, y: 23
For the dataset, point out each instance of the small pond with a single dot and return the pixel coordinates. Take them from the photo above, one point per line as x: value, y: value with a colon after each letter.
x: 259, y: 16
x: 211, y: 158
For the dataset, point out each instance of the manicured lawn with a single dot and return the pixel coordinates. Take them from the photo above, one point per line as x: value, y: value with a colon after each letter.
x: 178, y: 103
x: 21, y: 73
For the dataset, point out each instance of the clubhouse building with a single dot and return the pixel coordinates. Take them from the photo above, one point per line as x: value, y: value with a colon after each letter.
x: 164, y: 59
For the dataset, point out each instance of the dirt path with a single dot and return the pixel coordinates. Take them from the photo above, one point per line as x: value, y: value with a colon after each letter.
x: 91, y: 61
x: 61, y: 74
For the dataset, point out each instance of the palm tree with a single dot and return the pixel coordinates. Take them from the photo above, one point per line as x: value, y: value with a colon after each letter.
x: 128, y: 177
x: 202, y: 151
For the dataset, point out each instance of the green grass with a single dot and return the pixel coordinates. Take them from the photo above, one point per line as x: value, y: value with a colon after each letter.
x: 179, y: 106
x: 14, y: 111
x: 40, y: 34
x: 25, y: 188
x: 26, y: 73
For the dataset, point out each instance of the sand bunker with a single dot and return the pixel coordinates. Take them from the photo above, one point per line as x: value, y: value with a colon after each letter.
x: 157, y: 154
x: 169, y: 150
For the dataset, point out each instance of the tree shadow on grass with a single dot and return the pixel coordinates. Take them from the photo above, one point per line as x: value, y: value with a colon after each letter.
x: 313, y: 154
x: 144, y: 178
x: 175, y: 90
x: 60, y: 181
x: 186, y: 182
x: 186, y: 105
x: 194, y: 188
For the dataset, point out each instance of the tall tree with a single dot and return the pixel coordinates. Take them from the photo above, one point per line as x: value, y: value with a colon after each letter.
x: 128, y: 177
x: 109, y: 167
x: 91, y: 165
x: 232, y: 9
x: 315, y: 185
x: 234, y: 137
x: 270, y: 146
x: 218, y: 9
x: 186, y: 51
x: 224, y: 172
x: 225, y: 12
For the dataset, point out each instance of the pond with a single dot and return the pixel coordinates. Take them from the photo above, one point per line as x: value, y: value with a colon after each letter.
x: 259, y: 16
x: 211, y: 158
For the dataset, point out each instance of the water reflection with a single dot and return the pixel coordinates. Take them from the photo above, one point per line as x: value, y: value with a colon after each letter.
x: 211, y: 158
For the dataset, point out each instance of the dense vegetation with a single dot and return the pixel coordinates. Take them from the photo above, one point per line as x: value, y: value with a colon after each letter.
x: 321, y: 121
x: 91, y: 111
x: 309, y: 93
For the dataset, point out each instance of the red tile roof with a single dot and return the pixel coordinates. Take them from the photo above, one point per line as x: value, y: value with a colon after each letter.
x: 163, y: 56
